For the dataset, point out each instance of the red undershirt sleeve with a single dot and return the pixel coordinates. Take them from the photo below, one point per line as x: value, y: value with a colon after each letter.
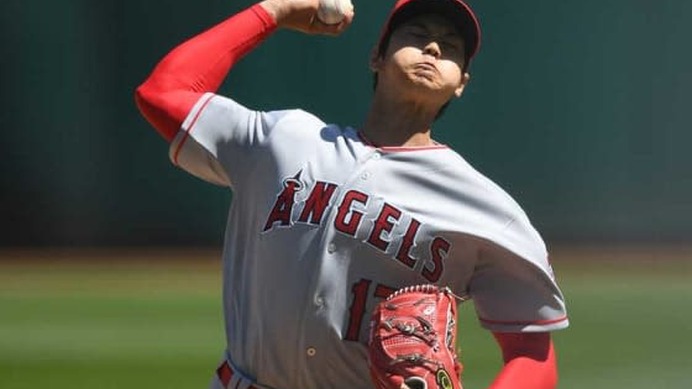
x: 197, y: 66
x: 529, y: 361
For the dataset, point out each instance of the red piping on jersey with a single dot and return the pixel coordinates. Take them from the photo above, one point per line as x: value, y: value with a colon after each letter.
x: 189, y: 130
x: 394, y: 149
x: 539, y: 322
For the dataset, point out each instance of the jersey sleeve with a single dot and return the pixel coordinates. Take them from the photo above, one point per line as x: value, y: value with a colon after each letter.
x: 515, y: 292
x: 218, y: 138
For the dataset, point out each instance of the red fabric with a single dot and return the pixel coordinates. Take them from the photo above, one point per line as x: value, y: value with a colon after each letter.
x: 198, y: 66
x: 225, y: 373
x: 530, y: 361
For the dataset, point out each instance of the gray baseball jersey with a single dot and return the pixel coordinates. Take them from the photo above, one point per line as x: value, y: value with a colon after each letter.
x: 323, y: 224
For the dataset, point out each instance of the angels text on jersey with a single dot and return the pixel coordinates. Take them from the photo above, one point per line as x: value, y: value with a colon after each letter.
x: 352, y: 212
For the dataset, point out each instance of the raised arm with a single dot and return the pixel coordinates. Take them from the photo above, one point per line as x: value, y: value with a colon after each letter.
x: 529, y: 361
x: 201, y: 64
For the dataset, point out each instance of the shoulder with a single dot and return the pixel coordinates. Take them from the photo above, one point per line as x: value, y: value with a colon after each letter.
x: 295, y: 117
x: 224, y: 108
x: 471, y: 182
x: 487, y: 210
x: 297, y: 125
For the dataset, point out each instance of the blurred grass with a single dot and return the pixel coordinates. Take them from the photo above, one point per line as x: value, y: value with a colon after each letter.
x: 630, y: 318
x: 151, y: 319
x: 82, y: 320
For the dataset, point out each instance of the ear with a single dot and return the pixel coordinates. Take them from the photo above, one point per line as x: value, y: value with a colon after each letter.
x: 465, y: 78
x: 375, y: 60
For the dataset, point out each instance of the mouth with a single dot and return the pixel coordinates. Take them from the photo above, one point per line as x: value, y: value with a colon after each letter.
x: 426, y: 70
x: 426, y: 66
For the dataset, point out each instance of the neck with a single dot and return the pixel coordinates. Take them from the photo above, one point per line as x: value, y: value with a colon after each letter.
x: 391, y: 122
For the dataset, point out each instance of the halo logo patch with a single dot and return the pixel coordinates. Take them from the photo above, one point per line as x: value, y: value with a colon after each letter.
x: 444, y: 381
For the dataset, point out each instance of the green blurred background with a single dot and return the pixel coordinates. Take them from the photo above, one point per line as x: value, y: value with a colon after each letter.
x: 580, y: 110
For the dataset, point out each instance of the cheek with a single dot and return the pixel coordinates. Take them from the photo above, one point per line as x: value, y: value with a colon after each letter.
x: 452, y: 72
x: 400, y: 60
x: 404, y: 55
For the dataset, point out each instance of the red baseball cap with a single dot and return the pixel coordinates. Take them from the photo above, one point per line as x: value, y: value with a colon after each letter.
x: 456, y: 10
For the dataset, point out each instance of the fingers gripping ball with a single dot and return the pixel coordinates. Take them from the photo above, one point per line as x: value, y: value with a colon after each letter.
x: 413, y: 338
x: 333, y: 11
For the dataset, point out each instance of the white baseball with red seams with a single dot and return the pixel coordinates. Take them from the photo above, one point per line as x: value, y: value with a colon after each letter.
x: 333, y: 11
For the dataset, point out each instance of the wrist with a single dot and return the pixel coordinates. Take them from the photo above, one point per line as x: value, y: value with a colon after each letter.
x: 277, y: 9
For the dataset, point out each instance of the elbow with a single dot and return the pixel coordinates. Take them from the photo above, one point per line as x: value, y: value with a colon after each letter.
x: 140, y: 96
x: 144, y: 99
x: 151, y: 104
x: 141, y: 99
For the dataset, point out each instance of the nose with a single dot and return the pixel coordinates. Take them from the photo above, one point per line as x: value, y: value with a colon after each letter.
x: 433, y: 49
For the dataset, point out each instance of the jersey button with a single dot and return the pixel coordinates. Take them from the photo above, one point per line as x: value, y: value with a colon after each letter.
x: 319, y: 300
x: 376, y: 156
x: 331, y: 248
x: 311, y: 351
x: 365, y: 176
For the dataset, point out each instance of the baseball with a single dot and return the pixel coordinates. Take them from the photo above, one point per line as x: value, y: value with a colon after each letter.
x: 333, y: 11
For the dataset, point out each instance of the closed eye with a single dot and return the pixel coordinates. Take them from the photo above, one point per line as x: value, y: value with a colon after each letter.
x: 451, y: 45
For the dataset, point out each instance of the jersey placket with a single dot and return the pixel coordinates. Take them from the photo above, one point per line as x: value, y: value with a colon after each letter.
x: 324, y: 286
x: 361, y: 179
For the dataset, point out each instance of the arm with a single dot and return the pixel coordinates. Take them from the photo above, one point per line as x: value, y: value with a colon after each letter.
x: 200, y: 64
x: 529, y: 361
x: 519, y: 301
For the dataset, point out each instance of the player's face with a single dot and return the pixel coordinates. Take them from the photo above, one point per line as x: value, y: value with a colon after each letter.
x: 426, y: 53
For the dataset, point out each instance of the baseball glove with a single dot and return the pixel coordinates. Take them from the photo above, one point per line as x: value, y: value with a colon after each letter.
x: 413, y: 338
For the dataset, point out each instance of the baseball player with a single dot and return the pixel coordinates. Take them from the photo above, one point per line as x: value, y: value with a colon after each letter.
x: 326, y: 220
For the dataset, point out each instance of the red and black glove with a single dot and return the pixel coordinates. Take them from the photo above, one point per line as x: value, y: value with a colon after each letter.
x: 413, y: 340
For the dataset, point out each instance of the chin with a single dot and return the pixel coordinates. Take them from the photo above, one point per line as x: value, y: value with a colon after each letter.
x: 427, y: 86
